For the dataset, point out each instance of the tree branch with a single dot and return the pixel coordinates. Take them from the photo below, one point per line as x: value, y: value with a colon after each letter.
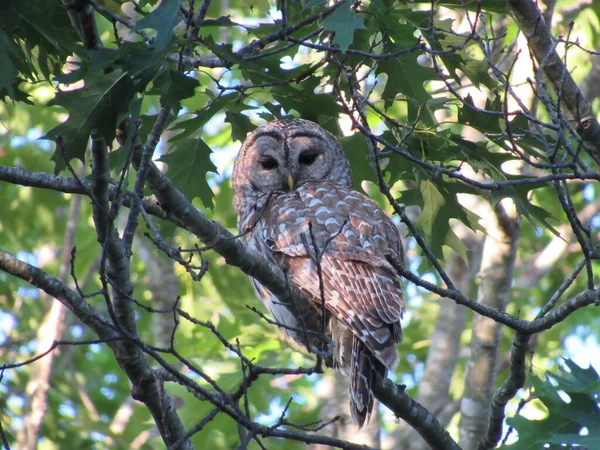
x: 509, y: 388
x: 70, y: 185
x: 142, y: 376
x: 415, y: 415
x: 88, y: 315
x: 218, y: 238
x: 541, y: 43
x: 82, y: 18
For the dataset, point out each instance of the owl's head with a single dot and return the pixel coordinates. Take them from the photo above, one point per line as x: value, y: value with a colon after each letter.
x: 281, y: 155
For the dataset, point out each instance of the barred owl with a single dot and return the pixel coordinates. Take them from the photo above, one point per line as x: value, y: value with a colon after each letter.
x: 295, y: 204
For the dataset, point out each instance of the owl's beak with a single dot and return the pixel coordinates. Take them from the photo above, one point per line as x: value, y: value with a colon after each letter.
x: 291, y: 182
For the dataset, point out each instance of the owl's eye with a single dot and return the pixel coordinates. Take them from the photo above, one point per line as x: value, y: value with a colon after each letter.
x: 268, y: 162
x: 308, y: 157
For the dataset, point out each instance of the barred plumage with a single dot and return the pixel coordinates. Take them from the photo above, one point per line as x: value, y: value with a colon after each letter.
x: 293, y: 196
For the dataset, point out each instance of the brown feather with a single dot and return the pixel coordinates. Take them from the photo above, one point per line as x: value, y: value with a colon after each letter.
x: 362, y: 291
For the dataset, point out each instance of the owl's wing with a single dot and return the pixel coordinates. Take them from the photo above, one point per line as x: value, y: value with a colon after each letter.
x: 353, y: 238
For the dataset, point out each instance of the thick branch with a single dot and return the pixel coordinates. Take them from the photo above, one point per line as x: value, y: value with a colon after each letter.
x: 147, y: 387
x: 23, y: 177
x: 54, y: 288
x: 70, y: 185
x: 415, y: 415
x: 137, y: 368
x: 82, y: 18
x: 507, y: 391
x: 541, y: 43
x: 215, y: 236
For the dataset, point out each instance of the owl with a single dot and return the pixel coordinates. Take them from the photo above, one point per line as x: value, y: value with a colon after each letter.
x: 295, y: 204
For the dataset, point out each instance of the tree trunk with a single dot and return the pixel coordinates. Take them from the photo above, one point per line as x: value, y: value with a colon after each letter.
x: 36, y: 403
x: 444, y: 351
x: 497, y: 265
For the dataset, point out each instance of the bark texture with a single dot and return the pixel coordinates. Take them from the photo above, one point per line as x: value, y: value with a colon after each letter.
x: 496, y: 273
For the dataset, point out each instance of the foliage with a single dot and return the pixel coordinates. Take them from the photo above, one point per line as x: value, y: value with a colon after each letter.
x: 424, y: 100
x: 572, y: 410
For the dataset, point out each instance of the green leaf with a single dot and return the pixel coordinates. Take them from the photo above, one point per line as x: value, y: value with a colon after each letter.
x: 43, y: 24
x: 163, y: 19
x: 357, y: 152
x: 269, y: 71
x: 240, y: 125
x: 12, y: 61
x: 262, y: 5
x: 141, y: 61
x: 174, y: 87
x: 17, y: 94
x: 476, y: 71
x: 398, y: 168
x: 520, y: 196
x: 224, y: 51
x: 188, y: 165
x: 303, y: 99
x: 36, y: 38
x: 9, y: 71
x: 485, y: 123
x: 566, y: 419
x: 100, y: 105
x: 190, y: 127
x: 439, y: 203
x: 114, y: 5
x: 578, y: 379
x: 343, y: 21
x: 406, y: 76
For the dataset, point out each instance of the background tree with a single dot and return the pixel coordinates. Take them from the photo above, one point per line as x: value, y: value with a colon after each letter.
x: 128, y: 320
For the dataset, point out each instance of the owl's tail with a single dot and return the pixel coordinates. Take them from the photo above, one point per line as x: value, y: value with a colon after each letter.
x: 366, y: 370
